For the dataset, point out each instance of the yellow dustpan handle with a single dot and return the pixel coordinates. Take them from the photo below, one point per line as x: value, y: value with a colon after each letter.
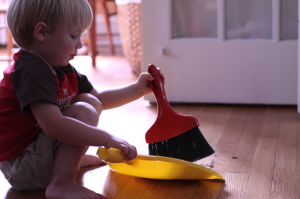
x: 112, y: 155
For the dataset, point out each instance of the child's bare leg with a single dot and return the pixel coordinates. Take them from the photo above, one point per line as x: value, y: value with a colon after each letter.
x: 89, y: 160
x: 63, y: 184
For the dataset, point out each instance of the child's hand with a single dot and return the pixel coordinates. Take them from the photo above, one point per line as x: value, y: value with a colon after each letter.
x: 144, y: 79
x: 128, y: 150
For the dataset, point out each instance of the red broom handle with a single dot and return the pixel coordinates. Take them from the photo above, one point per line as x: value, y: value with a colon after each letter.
x: 159, y: 91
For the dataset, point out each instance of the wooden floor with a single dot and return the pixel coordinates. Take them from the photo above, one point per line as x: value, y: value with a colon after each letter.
x: 257, y: 147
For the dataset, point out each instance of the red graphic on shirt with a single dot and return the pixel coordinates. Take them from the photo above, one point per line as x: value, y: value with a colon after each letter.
x: 67, y: 88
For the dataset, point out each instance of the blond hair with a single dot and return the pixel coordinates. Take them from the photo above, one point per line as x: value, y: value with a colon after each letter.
x: 23, y: 15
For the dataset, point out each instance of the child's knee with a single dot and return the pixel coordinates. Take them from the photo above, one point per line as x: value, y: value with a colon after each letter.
x: 90, y: 99
x: 84, y: 112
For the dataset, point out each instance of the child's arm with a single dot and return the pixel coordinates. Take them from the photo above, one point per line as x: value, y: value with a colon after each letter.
x: 118, y: 97
x: 74, y: 132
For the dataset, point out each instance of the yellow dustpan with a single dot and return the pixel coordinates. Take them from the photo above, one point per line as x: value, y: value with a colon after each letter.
x: 156, y: 167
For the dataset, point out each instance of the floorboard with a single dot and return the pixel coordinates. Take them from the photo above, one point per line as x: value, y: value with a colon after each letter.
x: 284, y: 180
x: 235, y: 186
x: 262, y: 169
x: 227, y: 144
x: 246, y: 147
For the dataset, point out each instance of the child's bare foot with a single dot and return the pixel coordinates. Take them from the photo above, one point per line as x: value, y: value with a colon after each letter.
x: 70, y: 190
x: 90, y: 160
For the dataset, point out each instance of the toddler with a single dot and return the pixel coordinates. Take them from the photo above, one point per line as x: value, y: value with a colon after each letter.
x: 49, y: 112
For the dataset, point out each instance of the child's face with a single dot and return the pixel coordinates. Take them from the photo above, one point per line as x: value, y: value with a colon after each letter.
x: 61, y: 46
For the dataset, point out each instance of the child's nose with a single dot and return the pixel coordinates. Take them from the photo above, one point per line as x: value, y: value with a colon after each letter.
x: 79, y: 44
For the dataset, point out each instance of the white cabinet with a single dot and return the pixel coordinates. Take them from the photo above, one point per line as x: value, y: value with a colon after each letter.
x: 223, y: 51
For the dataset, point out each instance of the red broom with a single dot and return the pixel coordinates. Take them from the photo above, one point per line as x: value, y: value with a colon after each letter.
x: 174, y: 134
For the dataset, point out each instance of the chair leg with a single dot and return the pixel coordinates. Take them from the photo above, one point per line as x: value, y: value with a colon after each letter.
x: 92, y: 35
x: 107, y: 24
x: 9, y: 43
x: 9, y: 47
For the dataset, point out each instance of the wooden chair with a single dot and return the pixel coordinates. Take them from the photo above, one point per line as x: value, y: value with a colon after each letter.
x: 92, y: 37
x: 9, y: 46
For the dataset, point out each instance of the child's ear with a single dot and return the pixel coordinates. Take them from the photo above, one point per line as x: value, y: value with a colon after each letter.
x: 40, y: 31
